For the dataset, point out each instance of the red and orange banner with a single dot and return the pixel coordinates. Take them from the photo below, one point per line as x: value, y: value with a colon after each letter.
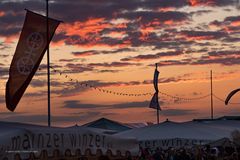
x: 28, y: 55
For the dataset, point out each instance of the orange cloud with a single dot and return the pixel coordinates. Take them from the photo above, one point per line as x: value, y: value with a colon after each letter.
x: 116, y: 34
x: 121, y: 25
x: 156, y: 23
x: 201, y: 2
x: 166, y: 9
x: 2, y: 13
x: 96, y: 44
x: 200, y: 38
x: 57, y: 44
x: 92, y: 25
x: 84, y: 54
x: 145, y: 32
x: 11, y: 38
x: 169, y: 22
x: 231, y: 29
x: 90, y: 33
x: 235, y: 23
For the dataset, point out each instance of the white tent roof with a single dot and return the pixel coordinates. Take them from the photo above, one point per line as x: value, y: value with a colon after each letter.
x: 107, y: 124
x: 206, y: 130
x: 98, y: 130
x: 136, y: 125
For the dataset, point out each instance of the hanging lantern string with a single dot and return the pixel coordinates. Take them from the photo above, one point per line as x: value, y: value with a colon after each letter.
x: 84, y: 84
x: 222, y: 100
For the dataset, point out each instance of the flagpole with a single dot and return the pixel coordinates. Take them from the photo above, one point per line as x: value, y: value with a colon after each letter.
x: 157, y: 94
x: 211, y: 95
x: 48, y: 67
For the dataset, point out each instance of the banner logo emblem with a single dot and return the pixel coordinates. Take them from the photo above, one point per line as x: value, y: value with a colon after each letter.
x: 25, y: 65
x: 35, y: 41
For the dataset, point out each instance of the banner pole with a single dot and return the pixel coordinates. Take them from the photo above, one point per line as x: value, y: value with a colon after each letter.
x: 157, y: 97
x: 211, y: 94
x: 48, y: 67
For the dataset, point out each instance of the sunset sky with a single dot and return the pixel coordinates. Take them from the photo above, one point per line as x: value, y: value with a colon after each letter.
x: 114, y: 45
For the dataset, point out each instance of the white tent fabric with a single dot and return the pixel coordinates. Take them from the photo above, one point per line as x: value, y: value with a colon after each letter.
x: 98, y: 130
x: 136, y: 125
x: 24, y: 138
x: 104, y: 123
x: 186, y: 134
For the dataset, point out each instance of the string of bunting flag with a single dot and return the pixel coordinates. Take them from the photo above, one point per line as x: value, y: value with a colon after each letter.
x: 84, y: 84
x: 184, y: 99
x: 222, y: 100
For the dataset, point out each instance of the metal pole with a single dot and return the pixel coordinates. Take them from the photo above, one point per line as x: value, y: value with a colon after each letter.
x: 48, y: 67
x: 211, y: 96
x: 157, y: 97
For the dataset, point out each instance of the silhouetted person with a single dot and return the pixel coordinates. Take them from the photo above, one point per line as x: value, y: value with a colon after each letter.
x: 103, y: 158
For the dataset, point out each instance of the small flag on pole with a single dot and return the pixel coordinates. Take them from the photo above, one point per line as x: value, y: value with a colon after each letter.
x: 28, y: 55
x: 154, y: 101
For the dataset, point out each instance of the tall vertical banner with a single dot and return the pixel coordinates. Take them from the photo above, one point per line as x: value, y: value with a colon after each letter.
x: 28, y: 55
x: 154, y: 101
